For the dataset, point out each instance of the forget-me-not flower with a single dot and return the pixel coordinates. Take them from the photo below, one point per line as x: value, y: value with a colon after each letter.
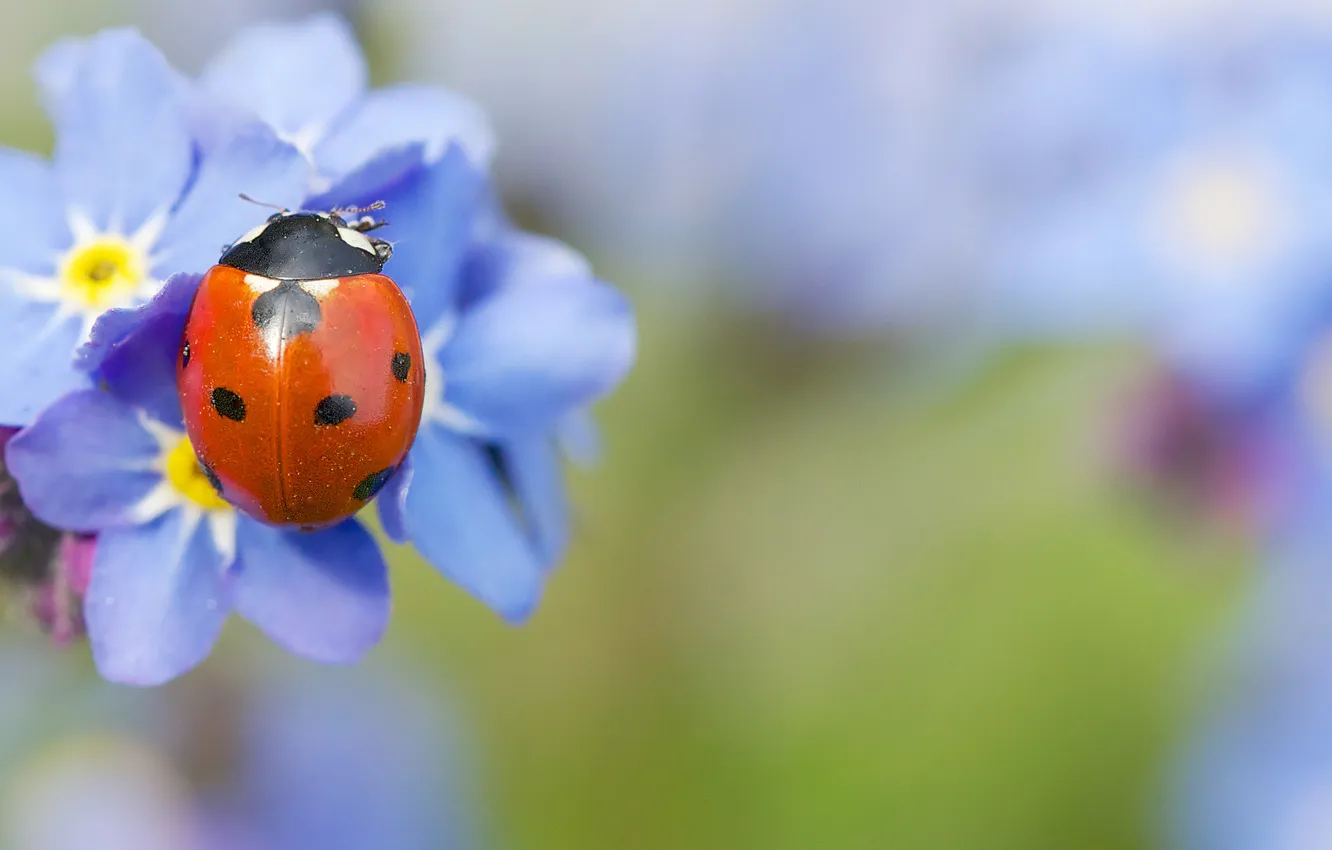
x: 173, y: 559
x: 518, y: 336
x: 1194, y: 209
x: 126, y: 200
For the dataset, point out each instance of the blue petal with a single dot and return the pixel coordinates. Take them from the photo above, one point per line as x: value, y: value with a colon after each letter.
x: 298, y: 77
x: 157, y: 600
x: 134, y: 352
x: 38, y: 366
x: 322, y: 595
x: 31, y: 216
x: 392, y: 502
x: 115, y: 327
x: 536, y: 350
x: 85, y: 463
x: 533, y: 468
x: 461, y: 522
x: 430, y: 213
x: 373, y: 180
x: 579, y: 438
x: 213, y: 214
x: 123, y: 150
x: 393, y: 116
x: 517, y: 256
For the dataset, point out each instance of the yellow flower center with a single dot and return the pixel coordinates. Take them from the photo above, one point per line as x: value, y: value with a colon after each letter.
x: 186, y: 474
x: 103, y: 273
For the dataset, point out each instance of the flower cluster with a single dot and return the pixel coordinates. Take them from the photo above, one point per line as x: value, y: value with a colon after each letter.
x: 104, y: 250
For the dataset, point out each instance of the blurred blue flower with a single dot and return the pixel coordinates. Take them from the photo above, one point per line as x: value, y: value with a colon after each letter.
x: 519, y: 337
x: 172, y: 558
x: 308, y: 81
x: 791, y: 158
x: 125, y: 201
x: 1258, y: 772
x: 278, y: 759
x: 1190, y: 199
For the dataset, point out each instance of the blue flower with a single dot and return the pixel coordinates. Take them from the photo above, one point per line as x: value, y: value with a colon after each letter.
x: 308, y: 81
x: 312, y: 760
x: 1258, y: 771
x: 126, y: 200
x: 793, y: 158
x: 172, y: 559
x: 519, y: 337
x: 1192, y: 201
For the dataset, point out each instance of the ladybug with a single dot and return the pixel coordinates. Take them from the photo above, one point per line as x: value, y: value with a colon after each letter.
x: 300, y: 370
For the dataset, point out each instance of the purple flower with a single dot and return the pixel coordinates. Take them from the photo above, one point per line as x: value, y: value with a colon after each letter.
x: 48, y: 568
x: 127, y: 200
x: 173, y: 559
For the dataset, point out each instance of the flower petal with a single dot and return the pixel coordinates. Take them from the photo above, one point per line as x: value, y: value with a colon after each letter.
x: 536, y: 350
x: 298, y: 77
x: 532, y: 470
x: 430, y: 212
x: 391, y: 502
x: 157, y: 600
x: 123, y: 151
x: 31, y: 216
x: 253, y: 162
x: 516, y: 256
x: 460, y: 519
x: 322, y: 595
x: 396, y: 115
x: 375, y: 179
x: 85, y: 463
x: 134, y: 351
x: 38, y: 366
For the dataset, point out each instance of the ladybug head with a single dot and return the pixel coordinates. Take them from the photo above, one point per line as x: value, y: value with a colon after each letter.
x: 308, y: 246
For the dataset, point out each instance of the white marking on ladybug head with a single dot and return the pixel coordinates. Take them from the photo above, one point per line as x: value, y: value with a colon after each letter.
x: 319, y: 288
x: 251, y: 234
x: 356, y: 239
x: 259, y: 284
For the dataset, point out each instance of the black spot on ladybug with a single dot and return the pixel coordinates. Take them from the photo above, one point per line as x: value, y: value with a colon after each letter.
x: 402, y: 364
x: 334, y: 409
x: 372, y: 484
x: 185, y: 354
x: 211, y: 476
x: 287, y: 310
x: 229, y: 404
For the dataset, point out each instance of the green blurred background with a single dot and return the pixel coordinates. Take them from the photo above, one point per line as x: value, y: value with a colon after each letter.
x: 820, y: 611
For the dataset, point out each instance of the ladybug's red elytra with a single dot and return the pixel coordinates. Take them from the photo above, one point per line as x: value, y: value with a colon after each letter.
x: 300, y: 371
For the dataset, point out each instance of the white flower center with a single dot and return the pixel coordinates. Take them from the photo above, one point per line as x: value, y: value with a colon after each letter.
x: 1220, y: 214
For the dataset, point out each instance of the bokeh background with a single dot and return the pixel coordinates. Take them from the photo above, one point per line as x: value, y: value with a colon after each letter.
x: 967, y: 493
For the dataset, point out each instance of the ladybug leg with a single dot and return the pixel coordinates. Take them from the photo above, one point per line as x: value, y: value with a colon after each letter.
x: 367, y: 224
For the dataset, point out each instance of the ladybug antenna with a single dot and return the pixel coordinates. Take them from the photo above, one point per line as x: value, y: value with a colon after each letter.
x: 375, y: 207
x: 245, y: 197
